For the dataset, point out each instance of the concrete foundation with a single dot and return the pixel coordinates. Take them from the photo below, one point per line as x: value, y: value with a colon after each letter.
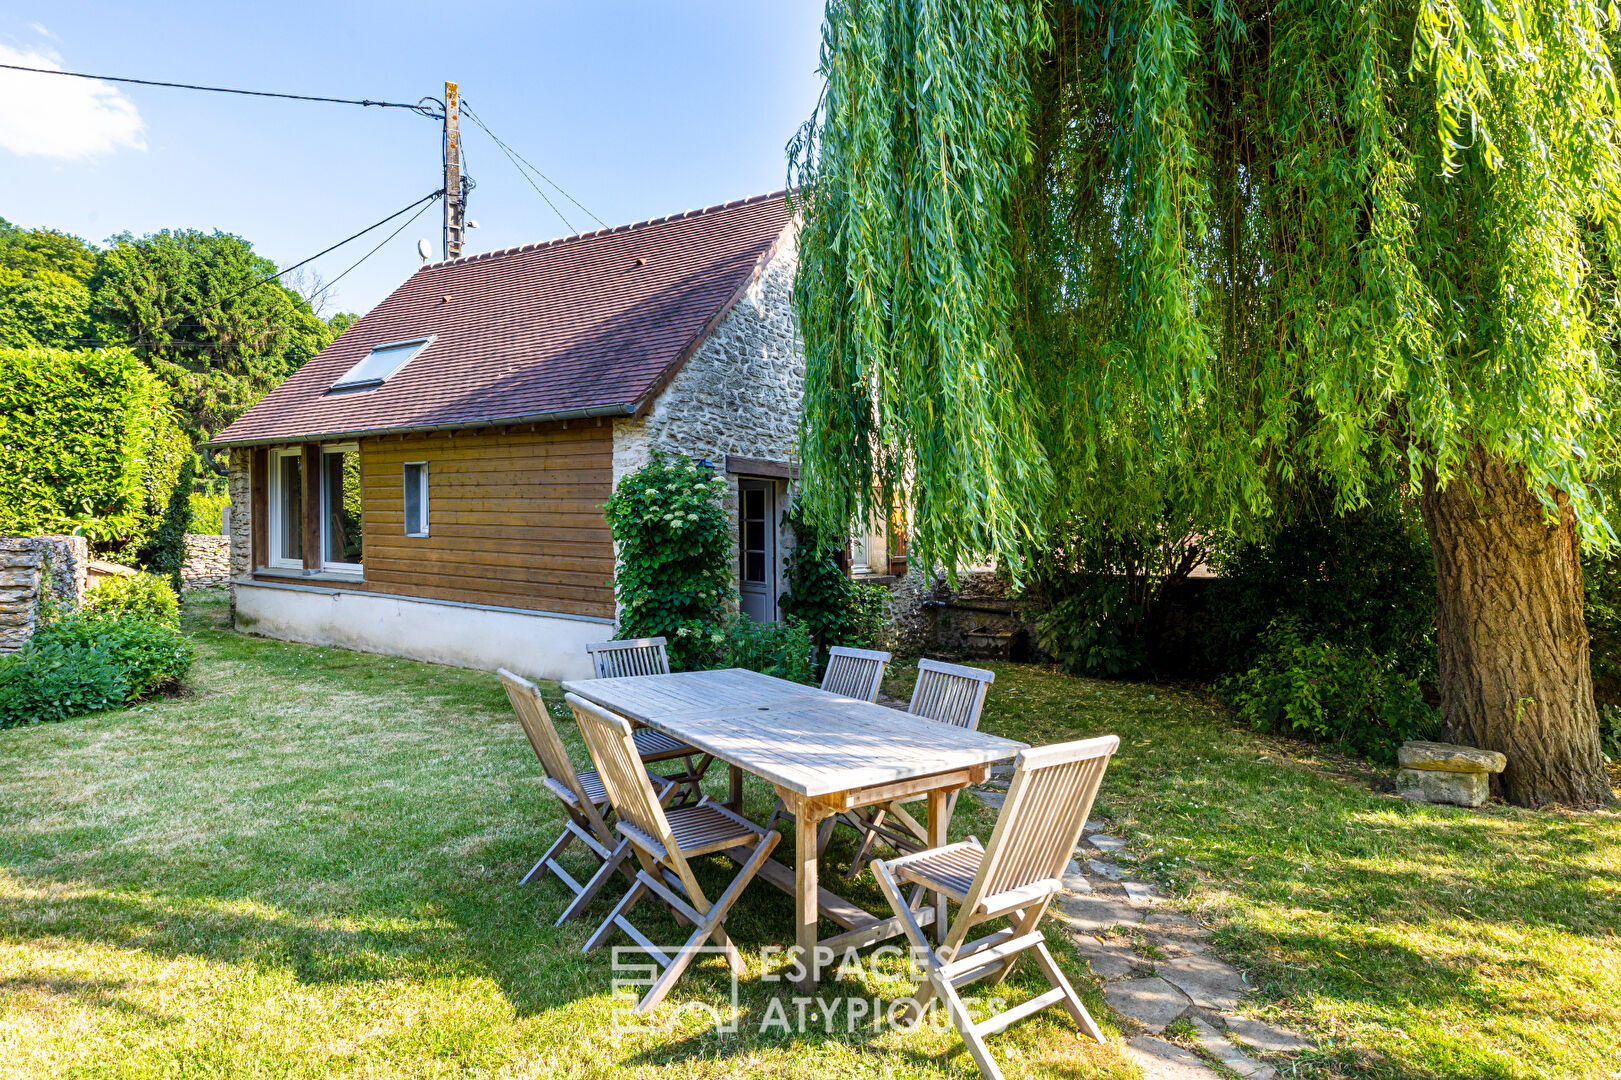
x: 538, y: 645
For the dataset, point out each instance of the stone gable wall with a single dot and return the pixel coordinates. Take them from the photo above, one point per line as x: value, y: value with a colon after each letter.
x: 740, y: 393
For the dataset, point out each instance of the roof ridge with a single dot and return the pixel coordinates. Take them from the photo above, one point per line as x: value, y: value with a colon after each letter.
x: 594, y: 233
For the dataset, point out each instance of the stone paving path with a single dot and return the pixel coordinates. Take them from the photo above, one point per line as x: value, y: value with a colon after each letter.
x: 1158, y: 971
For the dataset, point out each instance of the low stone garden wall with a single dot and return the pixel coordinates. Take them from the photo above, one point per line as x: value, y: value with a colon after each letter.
x: 208, y: 561
x: 977, y: 619
x: 31, y: 569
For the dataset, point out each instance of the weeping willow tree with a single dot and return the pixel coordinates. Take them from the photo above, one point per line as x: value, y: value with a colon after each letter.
x: 1098, y: 256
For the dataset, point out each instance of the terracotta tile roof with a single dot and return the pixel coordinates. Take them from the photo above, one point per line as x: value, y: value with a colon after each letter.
x: 589, y: 325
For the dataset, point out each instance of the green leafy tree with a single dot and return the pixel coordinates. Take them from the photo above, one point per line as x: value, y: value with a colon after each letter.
x: 33, y: 250
x: 43, y: 307
x: 1077, y: 256
x: 197, y: 308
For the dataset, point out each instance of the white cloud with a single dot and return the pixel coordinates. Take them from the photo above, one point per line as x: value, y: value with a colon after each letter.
x: 39, y: 28
x: 52, y: 116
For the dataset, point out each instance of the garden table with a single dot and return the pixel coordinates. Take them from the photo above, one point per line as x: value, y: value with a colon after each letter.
x: 825, y: 754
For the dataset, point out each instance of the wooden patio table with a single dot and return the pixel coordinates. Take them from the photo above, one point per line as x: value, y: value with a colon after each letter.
x: 824, y: 754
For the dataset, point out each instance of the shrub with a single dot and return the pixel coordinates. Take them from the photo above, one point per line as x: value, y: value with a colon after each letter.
x: 870, y: 617
x: 1103, y: 594
x: 151, y: 655
x: 1362, y: 582
x: 45, y: 683
x: 142, y: 595
x: 88, y: 662
x: 166, y: 554
x: 834, y: 609
x: 783, y: 649
x: 673, y: 576
x: 90, y: 445
x: 1355, y: 697
x: 1609, y: 730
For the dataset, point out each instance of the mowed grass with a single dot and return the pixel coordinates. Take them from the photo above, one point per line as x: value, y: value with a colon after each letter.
x: 1413, y: 941
x: 308, y: 867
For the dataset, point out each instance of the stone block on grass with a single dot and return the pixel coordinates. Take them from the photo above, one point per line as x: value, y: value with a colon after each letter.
x: 1456, y: 788
x: 1449, y: 758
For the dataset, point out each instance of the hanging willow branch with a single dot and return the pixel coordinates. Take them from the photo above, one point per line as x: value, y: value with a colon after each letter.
x: 1091, y: 256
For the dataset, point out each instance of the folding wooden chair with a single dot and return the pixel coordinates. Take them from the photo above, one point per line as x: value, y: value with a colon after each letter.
x: 582, y: 796
x: 646, y: 656
x: 854, y: 673
x: 663, y: 841
x: 1016, y: 875
x: 950, y: 694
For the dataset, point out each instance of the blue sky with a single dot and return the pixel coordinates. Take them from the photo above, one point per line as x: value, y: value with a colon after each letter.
x: 637, y: 109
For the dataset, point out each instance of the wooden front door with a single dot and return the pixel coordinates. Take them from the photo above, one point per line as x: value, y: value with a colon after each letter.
x: 757, y: 549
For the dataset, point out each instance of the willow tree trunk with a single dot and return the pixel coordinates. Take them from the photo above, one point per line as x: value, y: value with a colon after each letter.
x: 1513, y: 643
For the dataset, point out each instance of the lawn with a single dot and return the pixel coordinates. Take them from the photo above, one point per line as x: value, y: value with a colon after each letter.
x: 308, y: 867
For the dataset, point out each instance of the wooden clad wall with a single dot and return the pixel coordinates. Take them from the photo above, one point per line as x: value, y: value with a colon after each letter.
x: 513, y: 519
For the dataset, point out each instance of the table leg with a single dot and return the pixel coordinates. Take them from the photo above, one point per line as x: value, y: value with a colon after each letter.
x: 938, y: 819
x: 806, y: 912
x: 734, y: 799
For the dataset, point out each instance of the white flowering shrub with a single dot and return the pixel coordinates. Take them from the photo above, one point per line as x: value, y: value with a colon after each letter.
x: 673, y: 578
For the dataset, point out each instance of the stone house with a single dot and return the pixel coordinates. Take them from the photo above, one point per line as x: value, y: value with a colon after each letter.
x: 431, y: 485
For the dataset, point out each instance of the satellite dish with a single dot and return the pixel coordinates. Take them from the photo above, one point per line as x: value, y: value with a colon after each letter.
x: 424, y: 249
x: 471, y: 224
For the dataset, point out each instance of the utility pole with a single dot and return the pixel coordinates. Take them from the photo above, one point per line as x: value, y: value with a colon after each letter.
x: 455, y: 201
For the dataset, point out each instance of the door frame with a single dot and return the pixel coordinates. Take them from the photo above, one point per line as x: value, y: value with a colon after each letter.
x: 769, y: 487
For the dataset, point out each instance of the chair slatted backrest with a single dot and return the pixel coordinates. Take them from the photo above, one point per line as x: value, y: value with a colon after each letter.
x: 1047, y: 804
x: 950, y: 693
x: 537, y: 724
x: 608, y: 737
x: 854, y: 673
x: 622, y: 659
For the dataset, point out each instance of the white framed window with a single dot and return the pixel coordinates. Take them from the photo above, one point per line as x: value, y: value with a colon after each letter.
x: 416, y: 498
x: 286, y: 509
x: 341, y: 531
x: 382, y: 363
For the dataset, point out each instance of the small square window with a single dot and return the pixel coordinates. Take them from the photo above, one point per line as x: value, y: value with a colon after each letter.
x: 416, y: 498
x: 382, y: 364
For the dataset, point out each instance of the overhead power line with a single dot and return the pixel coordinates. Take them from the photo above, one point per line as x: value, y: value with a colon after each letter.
x: 421, y: 205
x: 425, y: 107
x: 323, y: 290
x: 515, y: 157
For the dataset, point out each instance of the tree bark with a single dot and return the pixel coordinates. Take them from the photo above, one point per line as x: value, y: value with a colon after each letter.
x: 1513, y: 644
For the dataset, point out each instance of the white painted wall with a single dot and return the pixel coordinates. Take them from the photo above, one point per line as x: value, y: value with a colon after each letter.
x: 533, y: 644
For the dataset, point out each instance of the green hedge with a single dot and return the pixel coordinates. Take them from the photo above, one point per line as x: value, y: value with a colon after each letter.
x: 90, y: 445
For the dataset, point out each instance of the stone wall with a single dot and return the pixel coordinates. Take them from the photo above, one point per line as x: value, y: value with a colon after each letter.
x: 31, y: 568
x: 208, y: 561
x: 739, y: 393
x: 977, y: 619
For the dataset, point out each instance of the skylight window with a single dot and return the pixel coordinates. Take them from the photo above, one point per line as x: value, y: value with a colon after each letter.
x: 382, y: 363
